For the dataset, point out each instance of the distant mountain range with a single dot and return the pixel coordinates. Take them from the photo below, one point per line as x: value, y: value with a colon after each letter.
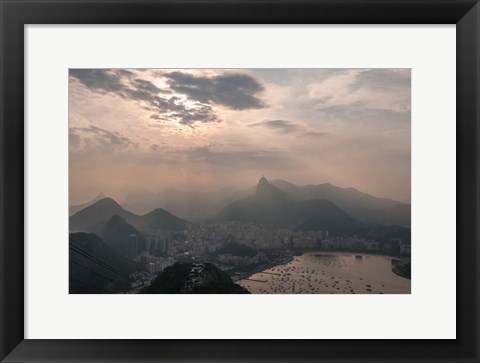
x: 277, y: 203
x: 98, y: 215
x: 75, y: 208
x: 272, y: 206
x: 191, y: 205
x: 364, y: 207
x: 194, y: 205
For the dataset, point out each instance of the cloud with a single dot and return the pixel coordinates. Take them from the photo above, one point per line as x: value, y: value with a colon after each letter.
x: 234, y: 91
x: 361, y: 115
x: 104, y: 80
x: 161, y: 102
x: 73, y: 138
x: 387, y: 89
x: 94, y: 138
x: 257, y: 159
x: 382, y: 79
x: 314, y: 134
x: 279, y: 126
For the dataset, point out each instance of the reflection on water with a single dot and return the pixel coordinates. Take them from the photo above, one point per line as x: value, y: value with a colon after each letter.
x: 329, y: 273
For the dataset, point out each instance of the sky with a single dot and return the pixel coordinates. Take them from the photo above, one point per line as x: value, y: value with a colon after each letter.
x: 206, y: 129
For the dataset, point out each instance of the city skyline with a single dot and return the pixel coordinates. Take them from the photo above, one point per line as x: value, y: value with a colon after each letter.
x: 203, y: 129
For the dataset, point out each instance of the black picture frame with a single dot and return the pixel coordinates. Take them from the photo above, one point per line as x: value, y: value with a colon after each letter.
x: 15, y: 14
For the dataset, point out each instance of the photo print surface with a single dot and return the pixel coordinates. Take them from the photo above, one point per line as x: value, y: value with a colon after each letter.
x: 239, y: 181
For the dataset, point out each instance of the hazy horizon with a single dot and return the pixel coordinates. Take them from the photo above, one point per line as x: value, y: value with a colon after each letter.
x: 202, y: 130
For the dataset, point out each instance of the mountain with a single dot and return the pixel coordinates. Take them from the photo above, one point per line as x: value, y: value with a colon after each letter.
x: 272, y: 206
x: 100, y: 211
x: 75, y: 208
x: 97, y: 268
x: 115, y: 233
x: 362, y: 206
x: 269, y: 205
x: 161, y: 219
x: 98, y: 216
x: 193, y: 205
x: 282, y: 184
x: 321, y: 214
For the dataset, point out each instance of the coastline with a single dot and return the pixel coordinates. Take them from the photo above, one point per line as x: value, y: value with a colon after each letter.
x: 401, y: 274
x: 258, y: 270
x: 330, y: 252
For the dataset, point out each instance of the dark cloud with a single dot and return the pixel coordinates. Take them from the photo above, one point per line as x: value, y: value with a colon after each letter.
x: 279, y: 126
x: 383, y: 79
x: 95, y: 137
x: 201, y: 114
x: 142, y: 90
x: 161, y: 102
x: 104, y: 80
x: 235, y: 91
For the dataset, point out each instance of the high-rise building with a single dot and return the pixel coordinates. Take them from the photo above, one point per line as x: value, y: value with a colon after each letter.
x: 151, y: 243
x: 162, y: 246
x: 132, y: 246
x: 148, y: 243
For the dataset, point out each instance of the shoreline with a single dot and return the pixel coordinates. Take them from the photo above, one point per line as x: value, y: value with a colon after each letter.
x: 401, y: 274
x: 344, y: 253
x: 264, y: 269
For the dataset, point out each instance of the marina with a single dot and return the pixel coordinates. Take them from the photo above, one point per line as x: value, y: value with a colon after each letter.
x: 329, y: 273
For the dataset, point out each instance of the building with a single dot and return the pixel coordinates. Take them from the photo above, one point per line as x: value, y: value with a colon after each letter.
x: 132, y: 246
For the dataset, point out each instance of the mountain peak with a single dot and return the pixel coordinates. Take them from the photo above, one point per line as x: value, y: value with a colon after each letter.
x: 263, y: 185
x: 268, y: 192
x: 107, y: 202
x: 263, y: 181
x: 159, y: 211
x: 100, y: 211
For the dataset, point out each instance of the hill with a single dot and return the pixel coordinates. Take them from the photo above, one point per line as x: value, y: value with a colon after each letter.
x: 321, y: 214
x: 161, y: 219
x: 269, y: 205
x: 100, y: 211
x: 95, y: 267
x: 213, y: 281
x: 75, y: 208
x: 192, y: 205
x: 115, y: 233
x: 196, y: 205
x: 94, y: 217
x: 274, y: 207
x: 362, y: 206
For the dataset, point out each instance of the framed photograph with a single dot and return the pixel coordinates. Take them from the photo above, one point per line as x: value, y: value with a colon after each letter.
x: 239, y: 181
